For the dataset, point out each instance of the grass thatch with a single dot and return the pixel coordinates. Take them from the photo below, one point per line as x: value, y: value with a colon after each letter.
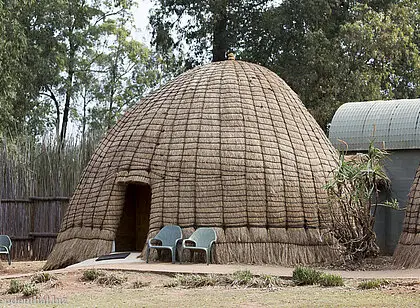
x: 228, y: 145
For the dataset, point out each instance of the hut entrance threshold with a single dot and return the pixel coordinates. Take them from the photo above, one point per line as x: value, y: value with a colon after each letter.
x: 134, y: 223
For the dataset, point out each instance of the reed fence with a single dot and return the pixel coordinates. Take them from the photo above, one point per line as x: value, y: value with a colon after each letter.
x: 32, y: 174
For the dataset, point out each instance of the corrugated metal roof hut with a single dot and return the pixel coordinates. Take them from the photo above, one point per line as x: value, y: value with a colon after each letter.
x: 407, y: 253
x: 395, y: 126
x: 227, y: 145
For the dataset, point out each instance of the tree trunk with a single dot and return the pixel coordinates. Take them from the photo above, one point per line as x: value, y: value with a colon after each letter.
x: 69, y: 87
x: 220, y: 35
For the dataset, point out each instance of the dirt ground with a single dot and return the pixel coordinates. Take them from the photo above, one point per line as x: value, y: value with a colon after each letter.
x: 140, y: 289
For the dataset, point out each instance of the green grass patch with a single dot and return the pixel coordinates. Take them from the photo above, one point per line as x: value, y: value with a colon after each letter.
x: 330, y: 280
x: 372, y: 284
x: 306, y: 276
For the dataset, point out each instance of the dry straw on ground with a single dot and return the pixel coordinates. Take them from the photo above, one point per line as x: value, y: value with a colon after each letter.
x: 407, y: 253
x: 227, y: 145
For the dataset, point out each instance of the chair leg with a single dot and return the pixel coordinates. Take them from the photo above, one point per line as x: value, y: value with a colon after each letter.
x: 208, y: 256
x: 173, y: 255
x: 147, y: 254
x: 9, y: 258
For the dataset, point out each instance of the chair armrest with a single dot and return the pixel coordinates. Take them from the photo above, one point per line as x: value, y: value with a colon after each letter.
x: 189, y: 243
x: 154, y: 242
x: 5, y: 247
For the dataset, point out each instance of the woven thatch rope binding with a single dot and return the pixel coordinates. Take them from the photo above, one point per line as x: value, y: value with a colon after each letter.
x: 227, y: 145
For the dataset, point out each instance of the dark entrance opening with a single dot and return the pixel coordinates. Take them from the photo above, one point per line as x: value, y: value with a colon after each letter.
x: 134, y: 223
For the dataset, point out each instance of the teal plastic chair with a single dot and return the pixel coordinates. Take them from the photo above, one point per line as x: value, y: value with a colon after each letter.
x: 201, y: 239
x: 167, y: 238
x: 6, y: 247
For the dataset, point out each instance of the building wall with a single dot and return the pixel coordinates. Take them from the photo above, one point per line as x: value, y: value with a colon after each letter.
x: 401, y: 168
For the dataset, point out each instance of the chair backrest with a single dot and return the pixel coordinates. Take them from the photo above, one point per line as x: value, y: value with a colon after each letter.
x: 169, y: 234
x: 203, y: 237
x: 5, y: 241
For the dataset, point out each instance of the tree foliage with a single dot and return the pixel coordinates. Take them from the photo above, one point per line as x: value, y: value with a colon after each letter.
x: 70, y: 61
x: 329, y: 51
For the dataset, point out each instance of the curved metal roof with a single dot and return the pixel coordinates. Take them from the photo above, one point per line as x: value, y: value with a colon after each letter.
x: 392, y: 124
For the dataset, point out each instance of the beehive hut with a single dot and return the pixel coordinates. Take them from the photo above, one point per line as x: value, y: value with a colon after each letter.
x: 407, y: 253
x: 227, y: 145
x: 393, y: 125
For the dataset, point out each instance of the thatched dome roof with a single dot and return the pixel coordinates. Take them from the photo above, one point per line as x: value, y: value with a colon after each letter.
x: 407, y: 253
x: 227, y: 145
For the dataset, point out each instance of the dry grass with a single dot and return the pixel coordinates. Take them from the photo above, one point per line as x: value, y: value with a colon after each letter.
x: 145, y: 289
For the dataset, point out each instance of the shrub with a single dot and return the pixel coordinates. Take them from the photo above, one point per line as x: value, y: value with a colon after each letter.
x: 372, y: 284
x: 111, y: 280
x: 306, y: 276
x: 91, y: 275
x: 30, y: 289
x: 242, y: 277
x: 330, y: 280
x: 42, y: 277
x: 15, y: 287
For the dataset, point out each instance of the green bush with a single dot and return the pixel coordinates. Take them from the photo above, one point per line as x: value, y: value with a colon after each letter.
x: 91, y: 275
x: 15, y: 287
x: 306, y: 276
x: 372, y: 284
x: 330, y: 280
x: 30, y: 289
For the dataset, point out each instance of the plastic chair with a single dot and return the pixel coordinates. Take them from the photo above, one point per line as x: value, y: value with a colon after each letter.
x: 167, y: 238
x: 6, y: 247
x: 201, y: 239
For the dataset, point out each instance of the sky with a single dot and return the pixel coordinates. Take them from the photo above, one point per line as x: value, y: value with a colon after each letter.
x: 141, y: 18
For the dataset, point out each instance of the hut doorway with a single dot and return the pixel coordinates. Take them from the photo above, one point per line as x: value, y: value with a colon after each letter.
x: 134, y: 223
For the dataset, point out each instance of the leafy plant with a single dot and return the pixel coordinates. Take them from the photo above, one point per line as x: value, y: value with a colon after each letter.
x: 30, y: 289
x: 353, y: 197
x: 15, y: 287
x: 372, y: 284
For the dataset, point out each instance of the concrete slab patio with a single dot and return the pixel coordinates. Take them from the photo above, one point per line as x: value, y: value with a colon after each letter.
x: 133, y: 263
